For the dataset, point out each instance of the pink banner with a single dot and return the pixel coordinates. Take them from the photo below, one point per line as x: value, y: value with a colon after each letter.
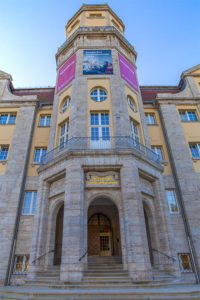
x: 128, y: 72
x: 66, y: 73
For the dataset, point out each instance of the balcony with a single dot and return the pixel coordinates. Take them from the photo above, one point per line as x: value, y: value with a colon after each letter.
x: 107, y: 144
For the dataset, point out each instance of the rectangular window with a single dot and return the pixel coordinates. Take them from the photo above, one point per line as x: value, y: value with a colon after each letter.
x: 135, y: 132
x: 45, y: 120
x: 39, y: 152
x: 7, y: 119
x: 3, y: 152
x: 188, y: 116
x: 150, y: 119
x: 185, y: 262
x: 64, y: 132
x: 159, y: 151
x: 172, y: 201
x: 195, y: 150
x: 30, y: 203
x: 100, y: 130
x: 21, y: 265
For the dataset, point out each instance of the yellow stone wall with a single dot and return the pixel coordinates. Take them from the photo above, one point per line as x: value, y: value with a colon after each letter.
x: 6, y: 134
x: 40, y: 139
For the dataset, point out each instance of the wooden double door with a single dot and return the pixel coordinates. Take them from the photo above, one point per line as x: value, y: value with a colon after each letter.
x: 99, y: 236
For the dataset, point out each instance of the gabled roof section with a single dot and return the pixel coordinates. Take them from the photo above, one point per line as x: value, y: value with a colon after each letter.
x: 4, y: 75
x: 194, y: 71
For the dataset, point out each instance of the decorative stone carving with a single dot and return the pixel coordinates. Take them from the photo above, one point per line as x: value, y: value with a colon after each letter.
x: 102, y: 179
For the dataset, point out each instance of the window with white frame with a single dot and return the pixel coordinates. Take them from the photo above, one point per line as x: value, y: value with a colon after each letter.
x: 159, y: 151
x: 21, y: 264
x: 195, y: 150
x: 135, y: 132
x: 98, y: 94
x: 65, y: 104
x: 188, y: 116
x: 172, y: 201
x: 100, y: 126
x: 3, y: 152
x: 39, y: 152
x: 131, y: 103
x: 185, y: 262
x: 30, y: 203
x: 45, y: 120
x: 150, y: 119
x: 7, y: 118
x: 64, y: 132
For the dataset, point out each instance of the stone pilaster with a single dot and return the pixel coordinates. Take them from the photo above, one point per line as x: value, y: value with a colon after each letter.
x: 73, y: 231
x: 138, y: 260
x: 188, y: 179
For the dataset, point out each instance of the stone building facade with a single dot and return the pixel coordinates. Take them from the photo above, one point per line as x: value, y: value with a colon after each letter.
x: 99, y: 166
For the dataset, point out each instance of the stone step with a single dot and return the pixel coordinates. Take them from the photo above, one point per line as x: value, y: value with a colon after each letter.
x: 169, y: 293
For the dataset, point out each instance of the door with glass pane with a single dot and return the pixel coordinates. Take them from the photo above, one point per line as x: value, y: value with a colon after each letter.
x: 105, y: 244
x: 100, y: 130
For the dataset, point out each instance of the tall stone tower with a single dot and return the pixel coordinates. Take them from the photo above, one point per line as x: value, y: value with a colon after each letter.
x: 94, y: 181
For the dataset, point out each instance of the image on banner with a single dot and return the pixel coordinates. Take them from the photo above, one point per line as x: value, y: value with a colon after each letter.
x: 97, y: 62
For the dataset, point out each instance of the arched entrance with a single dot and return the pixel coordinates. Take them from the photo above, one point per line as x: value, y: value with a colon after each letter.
x: 58, y: 236
x: 103, y: 229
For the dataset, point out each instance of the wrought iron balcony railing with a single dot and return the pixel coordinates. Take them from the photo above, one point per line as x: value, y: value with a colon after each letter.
x: 100, y: 144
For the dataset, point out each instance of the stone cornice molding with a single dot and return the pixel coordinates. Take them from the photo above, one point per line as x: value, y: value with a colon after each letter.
x: 97, y: 31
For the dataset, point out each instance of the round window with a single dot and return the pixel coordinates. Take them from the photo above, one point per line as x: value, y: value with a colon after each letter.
x: 98, y: 94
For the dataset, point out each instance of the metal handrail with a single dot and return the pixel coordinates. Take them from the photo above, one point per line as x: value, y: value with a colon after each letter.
x: 168, y: 256
x: 39, y: 257
x: 80, y: 258
x: 118, y: 143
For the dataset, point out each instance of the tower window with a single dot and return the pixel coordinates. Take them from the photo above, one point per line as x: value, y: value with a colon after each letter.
x: 98, y: 94
x: 131, y: 103
x: 135, y: 132
x: 64, y: 131
x: 65, y: 104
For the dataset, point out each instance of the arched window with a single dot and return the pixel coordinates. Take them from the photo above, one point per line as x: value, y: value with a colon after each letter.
x: 98, y: 94
x: 65, y: 104
x: 131, y: 103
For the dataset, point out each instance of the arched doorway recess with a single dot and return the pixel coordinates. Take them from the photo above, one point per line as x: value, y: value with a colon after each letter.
x: 103, y: 229
x: 58, y: 236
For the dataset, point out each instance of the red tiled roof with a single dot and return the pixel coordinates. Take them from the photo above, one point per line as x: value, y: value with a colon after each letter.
x: 150, y: 92
x: 45, y: 95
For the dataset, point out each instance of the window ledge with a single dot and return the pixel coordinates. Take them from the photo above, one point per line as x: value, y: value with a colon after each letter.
x: 190, y: 121
x: 7, y: 124
x: 43, y: 126
x: 164, y: 162
x: 196, y: 159
x: 3, y: 162
x: 35, y: 163
x: 156, y: 124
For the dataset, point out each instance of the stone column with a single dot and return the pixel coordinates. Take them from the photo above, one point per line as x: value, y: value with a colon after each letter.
x: 187, y: 178
x: 73, y: 231
x: 138, y: 260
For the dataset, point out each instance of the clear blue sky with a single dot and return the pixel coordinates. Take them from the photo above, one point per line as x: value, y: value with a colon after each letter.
x: 165, y: 33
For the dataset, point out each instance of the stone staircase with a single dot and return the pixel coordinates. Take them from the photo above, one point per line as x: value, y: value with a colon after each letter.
x: 105, y: 279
